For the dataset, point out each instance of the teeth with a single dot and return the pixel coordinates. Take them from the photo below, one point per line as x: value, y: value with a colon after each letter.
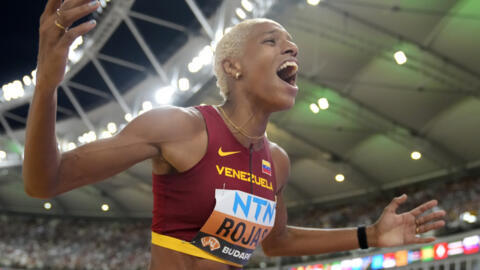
x: 289, y: 64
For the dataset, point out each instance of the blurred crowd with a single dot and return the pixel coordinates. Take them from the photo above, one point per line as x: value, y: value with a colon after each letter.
x: 41, y: 242
x: 54, y: 243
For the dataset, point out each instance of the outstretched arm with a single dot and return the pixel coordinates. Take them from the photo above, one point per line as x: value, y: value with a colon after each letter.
x: 391, y: 229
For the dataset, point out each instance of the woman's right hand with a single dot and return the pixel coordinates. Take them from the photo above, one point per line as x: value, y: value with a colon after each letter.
x: 55, y: 42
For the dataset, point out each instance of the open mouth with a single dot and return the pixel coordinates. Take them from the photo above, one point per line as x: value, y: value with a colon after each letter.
x: 288, y: 72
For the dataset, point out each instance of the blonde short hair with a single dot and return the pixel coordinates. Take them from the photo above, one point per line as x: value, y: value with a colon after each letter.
x: 232, y: 45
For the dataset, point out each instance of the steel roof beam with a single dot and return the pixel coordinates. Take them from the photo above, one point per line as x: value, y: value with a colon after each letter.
x: 121, y: 62
x: 65, y: 111
x: 201, y: 18
x: 146, y: 49
x: 88, y: 89
x: 15, y: 117
x: 111, y: 85
x: 9, y: 131
x: 78, y: 107
x: 157, y: 21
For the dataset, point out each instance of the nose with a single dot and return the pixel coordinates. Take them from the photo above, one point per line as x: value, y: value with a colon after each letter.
x: 291, y: 48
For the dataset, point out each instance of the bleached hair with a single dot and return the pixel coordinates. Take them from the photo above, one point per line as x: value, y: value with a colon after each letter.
x: 230, y: 46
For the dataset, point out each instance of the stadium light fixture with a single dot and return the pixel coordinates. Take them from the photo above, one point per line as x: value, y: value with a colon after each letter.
x: 416, y: 155
x: 183, y: 84
x: 314, y: 108
x: 105, y: 207
x: 469, y: 217
x: 323, y: 103
x: 147, y: 106
x: 206, y: 55
x: 400, y: 57
x: 112, y: 127
x: 240, y: 13
x: 339, y: 177
x: 105, y: 134
x: 47, y: 205
x: 164, y: 95
x: 3, y: 155
x: 26, y: 80
x: 128, y: 117
x: 195, y: 65
x: 313, y: 2
x: 247, y: 5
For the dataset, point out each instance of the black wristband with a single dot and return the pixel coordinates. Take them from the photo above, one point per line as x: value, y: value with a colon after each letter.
x: 362, y: 237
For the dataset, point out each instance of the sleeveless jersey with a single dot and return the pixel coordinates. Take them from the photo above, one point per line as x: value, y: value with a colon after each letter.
x: 184, y: 201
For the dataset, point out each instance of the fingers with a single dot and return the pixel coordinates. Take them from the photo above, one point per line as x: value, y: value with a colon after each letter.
x: 52, y: 6
x: 424, y: 207
x: 430, y: 217
x: 396, y: 202
x: 430, y: 226
x: 421, y: 240
x: 69, y: 4
x: 68, y: 17
x: 77, y: 31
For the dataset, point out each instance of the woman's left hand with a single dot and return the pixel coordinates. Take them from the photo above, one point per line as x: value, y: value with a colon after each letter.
x: 394, y: 229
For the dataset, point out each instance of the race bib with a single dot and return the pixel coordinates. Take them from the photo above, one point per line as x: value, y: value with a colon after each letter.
x: 239, y: 222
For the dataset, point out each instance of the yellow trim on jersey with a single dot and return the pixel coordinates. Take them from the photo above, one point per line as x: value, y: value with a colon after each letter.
x: 185, y: 247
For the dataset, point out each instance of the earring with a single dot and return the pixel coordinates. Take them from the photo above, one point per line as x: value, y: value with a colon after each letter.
x: 237, y: 75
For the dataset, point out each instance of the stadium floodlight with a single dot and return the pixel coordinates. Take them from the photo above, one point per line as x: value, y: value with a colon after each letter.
x: 71, y: 146
x: 339, y: 177
x: 47, y: 205
x: 247, y: 5
x: 105, y: 207
x: 105, y: 134
x: 195, y: 65
x: 228, y: 29
x: 147, y: 106
x: 416, y: 155
x: 206, y: 55
x: 400, y: 57
x: 27, y: 81
x: 314, y: 108
x: 128, y: 117
x: 313, y: 2
x: 323, y: 103
x: 164, y: 95
x: 468, y: 217
x: 34, y: 76
x: 183, y: 84
x: 112, y: 127
x: 3, y: 155
x: 240, y: 13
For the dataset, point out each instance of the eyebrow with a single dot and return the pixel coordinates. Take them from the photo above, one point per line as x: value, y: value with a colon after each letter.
x: 276, y: 30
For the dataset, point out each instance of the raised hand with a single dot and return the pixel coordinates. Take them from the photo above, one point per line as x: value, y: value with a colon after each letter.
x: 394, y: 229
x: 56, y: 37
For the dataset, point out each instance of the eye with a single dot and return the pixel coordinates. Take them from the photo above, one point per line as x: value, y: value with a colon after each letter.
x: 270, y: 41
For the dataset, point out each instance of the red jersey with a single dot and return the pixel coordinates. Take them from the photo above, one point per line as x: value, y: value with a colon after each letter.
x: 184, y: 201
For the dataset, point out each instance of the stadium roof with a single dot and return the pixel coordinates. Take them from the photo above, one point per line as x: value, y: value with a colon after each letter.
x: 379, y: 111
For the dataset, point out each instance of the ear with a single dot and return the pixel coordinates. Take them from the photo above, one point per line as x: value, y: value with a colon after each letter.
x: 231, y: 67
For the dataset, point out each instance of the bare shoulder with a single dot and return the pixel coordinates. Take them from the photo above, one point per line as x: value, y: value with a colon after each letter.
x: 166, y: 123
x: 282, y: 164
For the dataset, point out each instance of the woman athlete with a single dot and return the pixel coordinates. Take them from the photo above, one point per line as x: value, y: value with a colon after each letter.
x: 217, y: 181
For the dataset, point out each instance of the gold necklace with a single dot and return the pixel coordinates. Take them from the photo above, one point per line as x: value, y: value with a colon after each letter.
x: 240, y: 130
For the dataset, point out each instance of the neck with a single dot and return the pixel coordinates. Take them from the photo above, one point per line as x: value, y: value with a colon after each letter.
x: 248, y: 117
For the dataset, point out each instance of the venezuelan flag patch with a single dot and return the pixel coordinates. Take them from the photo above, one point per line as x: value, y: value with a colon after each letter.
x: 266, y: 167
